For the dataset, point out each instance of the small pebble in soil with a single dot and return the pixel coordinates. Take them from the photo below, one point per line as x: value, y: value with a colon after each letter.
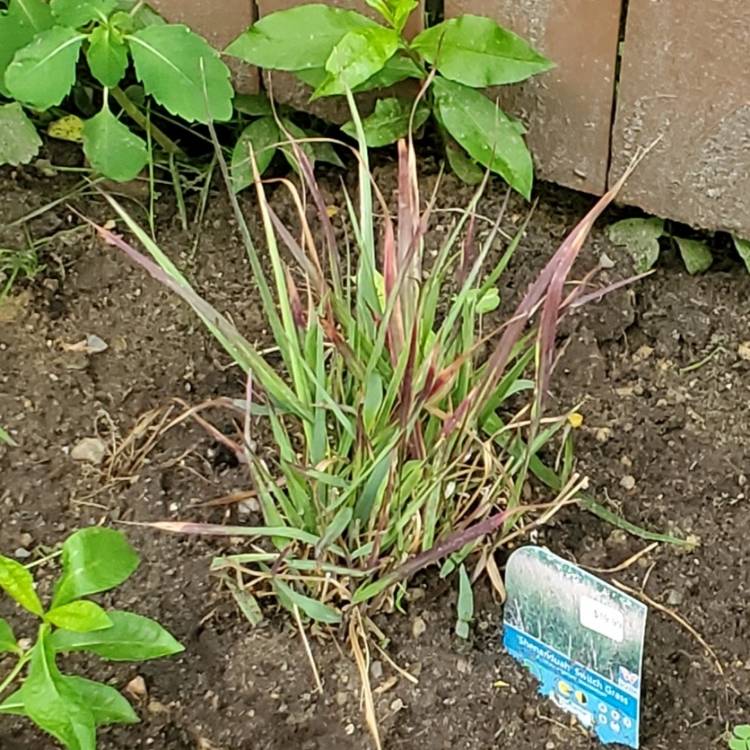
x: 349, y: 729
x: 91, y: 450
x: 674, y: 598
x: 628, y: 482
x: 376, y: 670
x: 419, y: 627
x: 603, y: 434
x: 21, y: 554
x: 136, y: 688
x: 397, y: 705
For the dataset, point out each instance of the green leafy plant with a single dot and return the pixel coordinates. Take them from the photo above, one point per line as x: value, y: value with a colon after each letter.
x: 40, y: 47
x: 15, y: 265
x: 397, y: 444
x: 640, y: 237
x: 740, y: 739
x: 68, y: 707
x: 269, y: 134
x: 452, y: 61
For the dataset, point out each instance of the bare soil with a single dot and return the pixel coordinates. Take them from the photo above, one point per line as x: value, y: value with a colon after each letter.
x: 681, y: 434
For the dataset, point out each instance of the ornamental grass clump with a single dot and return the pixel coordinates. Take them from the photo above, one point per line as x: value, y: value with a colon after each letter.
x: 396, y: 445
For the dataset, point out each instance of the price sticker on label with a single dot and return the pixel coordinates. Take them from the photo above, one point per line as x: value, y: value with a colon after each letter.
x: 602, y: 618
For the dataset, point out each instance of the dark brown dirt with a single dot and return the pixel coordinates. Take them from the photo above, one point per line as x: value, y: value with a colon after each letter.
x: 681, y: 434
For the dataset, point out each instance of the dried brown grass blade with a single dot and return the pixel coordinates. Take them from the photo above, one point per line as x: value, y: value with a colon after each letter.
x: 362, y: 657
x: 676, y: 617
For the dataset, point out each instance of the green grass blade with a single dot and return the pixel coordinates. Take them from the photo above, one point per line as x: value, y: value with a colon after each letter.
x: 314, y: 609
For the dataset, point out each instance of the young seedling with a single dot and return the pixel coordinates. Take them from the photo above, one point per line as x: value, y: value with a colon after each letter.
x: 68, y: 707
x: 6, y: 438
x: 40, y: 47
x: 452, y: 61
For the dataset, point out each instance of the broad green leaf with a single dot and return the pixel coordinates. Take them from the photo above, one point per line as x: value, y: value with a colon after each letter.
x: 485, y: 132
x: 112, y: 148
x: 263, y: 135
x: 640, y: 237
x: 488, y: 302
x: 398, y: 68
x: 7, y: 639
x: 475, y: 51
x: 182, y: 72
x: 43, y: 72
x: 24, y: 19
x: 297, y: 39
x: 324, y: 151
x: 107, y: 56
x: 256, y: 105
x: 357, y: 57
x: 743, y: 248
x: 80, y: 617
x: 313, y: 77
x: 695, y: 254
x: 742, y: 731
x: 33, y: 14
x: 19, y: 144
x: 463, y: 166
x: 13, y: 704
x: 52, y: 704
x: 314, y: 609
x: 130, y: 638
x: 465, y: 606
x: 389, y: 122
x: 106, y: 704
x: 93, y: 560
x: 78, y: 13
x: 18, y: 583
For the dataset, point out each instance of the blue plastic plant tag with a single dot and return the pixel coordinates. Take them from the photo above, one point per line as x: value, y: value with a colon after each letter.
x: 580, y: 637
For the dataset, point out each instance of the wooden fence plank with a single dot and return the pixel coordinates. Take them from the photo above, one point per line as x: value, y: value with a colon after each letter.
x: 568, y: 110
x: 685, y: 77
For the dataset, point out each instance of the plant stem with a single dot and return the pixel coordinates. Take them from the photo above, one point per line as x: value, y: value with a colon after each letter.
x: 20, y: 664
x: 137, y: 116
x: 43, y: 560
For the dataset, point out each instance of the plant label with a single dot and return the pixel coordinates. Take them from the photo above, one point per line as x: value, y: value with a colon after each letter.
x: 580, y: 637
